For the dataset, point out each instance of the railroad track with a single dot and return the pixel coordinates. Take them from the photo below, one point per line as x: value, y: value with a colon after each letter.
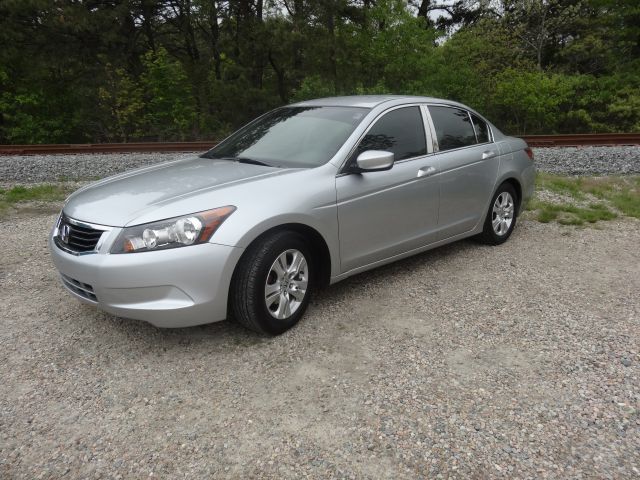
x: 583, y: 139
x: 578, y: 140
x: 106, y: 148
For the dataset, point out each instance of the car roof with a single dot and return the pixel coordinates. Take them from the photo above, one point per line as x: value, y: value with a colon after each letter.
x: 369, y: 101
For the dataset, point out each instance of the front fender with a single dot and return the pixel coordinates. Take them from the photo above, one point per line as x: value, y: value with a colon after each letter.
x: 325, y: 223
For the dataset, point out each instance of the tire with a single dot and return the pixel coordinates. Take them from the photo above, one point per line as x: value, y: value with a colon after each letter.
x: 501, y: 217
x: 260, y: 272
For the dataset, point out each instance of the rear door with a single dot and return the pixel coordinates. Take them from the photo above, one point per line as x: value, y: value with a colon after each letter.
x: 468, y: 162
x: 382, y: 214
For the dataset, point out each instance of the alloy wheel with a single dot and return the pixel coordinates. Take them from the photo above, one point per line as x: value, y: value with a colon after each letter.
x: 502, y: 213
x: 286, y: 284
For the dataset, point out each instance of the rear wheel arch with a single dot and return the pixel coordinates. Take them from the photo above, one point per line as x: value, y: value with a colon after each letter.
x: 517, y: 187
x: 500, y: 219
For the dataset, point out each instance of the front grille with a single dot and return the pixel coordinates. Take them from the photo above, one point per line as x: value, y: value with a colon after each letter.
x: 77, y: 238
x: 83, y: 289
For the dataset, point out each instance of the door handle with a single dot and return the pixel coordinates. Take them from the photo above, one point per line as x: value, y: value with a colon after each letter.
x: 488, y: 154
x: 426, y: 171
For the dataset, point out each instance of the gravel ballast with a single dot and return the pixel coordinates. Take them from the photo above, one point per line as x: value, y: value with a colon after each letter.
x: 51, y: 168
x: 518, y: 361
x: 54, y: 168
x: 588, y: 160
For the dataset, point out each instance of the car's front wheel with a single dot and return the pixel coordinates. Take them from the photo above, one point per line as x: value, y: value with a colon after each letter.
x: 272, y: 283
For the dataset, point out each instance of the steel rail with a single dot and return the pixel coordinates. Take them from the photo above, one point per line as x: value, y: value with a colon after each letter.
x: 583, y: 139
x: 577, y: 140
x: 44, y: 149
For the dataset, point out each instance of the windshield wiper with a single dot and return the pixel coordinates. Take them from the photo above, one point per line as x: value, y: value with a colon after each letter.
x: 250, y: 161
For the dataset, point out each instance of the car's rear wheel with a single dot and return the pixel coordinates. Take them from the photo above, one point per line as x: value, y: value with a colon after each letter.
x: 501, y: 217
x: 272, y: 283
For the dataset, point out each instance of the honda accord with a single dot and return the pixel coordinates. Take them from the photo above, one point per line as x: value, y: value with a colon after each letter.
x: 304, y: 196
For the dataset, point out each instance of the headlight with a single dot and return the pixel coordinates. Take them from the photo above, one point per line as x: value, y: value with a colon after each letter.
x: 172, y: 232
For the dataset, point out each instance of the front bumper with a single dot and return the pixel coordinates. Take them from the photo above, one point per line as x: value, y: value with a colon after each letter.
x: 171, y: 288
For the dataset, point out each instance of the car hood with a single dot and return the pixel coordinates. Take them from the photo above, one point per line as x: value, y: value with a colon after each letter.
x: 118, y: 200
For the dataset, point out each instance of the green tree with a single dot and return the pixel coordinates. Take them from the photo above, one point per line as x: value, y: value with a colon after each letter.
x: 178, y: 69
x: 532, y: 102
x: 121, y: 98
x: 169, y: 107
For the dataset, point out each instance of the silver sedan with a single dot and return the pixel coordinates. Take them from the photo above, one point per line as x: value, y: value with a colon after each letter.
x: 304, y: 196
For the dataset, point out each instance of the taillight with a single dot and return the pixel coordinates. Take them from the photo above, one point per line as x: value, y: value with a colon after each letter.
x: 529, y: 153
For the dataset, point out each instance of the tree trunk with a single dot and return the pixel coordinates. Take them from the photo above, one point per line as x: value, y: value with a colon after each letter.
x: 298, y: 25
x: 214, y: 30
x: 280, y: 74
x: 148, y: 11
x: 331, y: 28
x: 424, y: 9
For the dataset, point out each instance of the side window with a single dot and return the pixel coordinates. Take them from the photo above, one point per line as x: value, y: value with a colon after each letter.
x: 400, y: 131
x: 453, y: 127
x: 482, y: 130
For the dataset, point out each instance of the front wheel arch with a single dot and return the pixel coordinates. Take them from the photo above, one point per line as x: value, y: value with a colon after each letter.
x: 319, y: 250
x: 252, y: 294
x: 317, y: 244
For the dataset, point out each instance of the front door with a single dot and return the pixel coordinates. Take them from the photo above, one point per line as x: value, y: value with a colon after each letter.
x: 382, y: 214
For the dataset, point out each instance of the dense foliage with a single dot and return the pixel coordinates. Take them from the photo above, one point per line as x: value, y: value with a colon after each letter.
x: 121, y: 70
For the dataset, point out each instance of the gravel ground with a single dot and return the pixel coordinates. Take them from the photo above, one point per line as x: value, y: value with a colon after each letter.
x: 518, y: 361
x: 48, y: 168
x: 588, y: 160
x: 53, y: 168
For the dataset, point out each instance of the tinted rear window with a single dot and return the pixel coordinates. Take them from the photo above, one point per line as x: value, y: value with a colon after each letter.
x: 453, y: 127
x: 482, y: 130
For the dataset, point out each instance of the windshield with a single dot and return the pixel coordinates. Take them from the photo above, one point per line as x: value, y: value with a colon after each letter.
x: 291, y: 136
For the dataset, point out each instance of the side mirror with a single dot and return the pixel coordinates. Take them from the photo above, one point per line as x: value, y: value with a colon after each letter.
x: 375, y: 161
